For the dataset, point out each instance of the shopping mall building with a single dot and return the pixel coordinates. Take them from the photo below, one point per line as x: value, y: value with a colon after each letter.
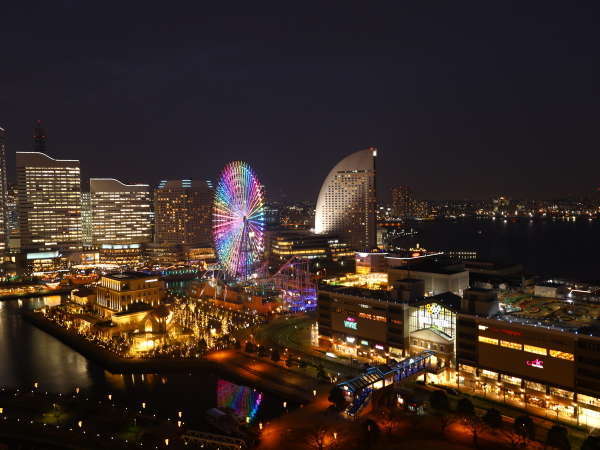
x: 537, y: 353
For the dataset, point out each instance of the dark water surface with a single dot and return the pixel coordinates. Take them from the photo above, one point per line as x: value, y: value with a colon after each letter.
x: 29, y: 355
x: 568, y: 249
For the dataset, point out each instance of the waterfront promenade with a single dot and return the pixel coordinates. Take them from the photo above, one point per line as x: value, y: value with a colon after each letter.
x: 292, y: 384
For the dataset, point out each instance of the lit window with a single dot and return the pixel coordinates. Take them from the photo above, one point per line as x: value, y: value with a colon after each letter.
x: 489, y: 374
x: 482, y: 327
x: 488, y: 340
x: 511, y: 380
x: 536, y: 350
x: 562, y: 355
x: 513, y: 345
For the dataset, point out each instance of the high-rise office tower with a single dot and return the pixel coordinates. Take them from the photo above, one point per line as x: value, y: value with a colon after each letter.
x: 3, y: 194
x: 402, y: 202
x: 39, y: 138
x: 182, y: 211
x: 347, y: 201
x: 121, y: 213
x: 48, y: 202
x: 86, y: 219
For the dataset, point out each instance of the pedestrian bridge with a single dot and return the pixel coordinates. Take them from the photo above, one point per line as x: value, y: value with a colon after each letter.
x: 358, y: 390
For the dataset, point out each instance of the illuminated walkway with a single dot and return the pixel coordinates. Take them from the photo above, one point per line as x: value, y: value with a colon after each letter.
x: 359, y: 389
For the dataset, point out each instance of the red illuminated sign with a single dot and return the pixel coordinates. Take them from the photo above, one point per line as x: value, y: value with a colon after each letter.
x: 509, y: 332
x: 537, y: 363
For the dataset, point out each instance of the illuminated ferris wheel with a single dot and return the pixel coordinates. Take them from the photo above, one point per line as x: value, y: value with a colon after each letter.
x: 238, y: 220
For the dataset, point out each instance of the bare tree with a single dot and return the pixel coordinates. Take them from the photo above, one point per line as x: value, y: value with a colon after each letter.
x: 317, y: 438
x: 475, y: 425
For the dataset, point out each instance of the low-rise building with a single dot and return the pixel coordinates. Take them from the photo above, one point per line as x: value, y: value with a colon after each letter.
x: 116, y: 292
x: 533, y: 353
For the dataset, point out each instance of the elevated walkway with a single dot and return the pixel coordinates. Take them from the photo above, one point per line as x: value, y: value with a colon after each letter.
x: 359, y: 389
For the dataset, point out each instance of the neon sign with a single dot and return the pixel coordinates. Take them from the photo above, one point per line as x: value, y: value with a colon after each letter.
x: 505, y: 331
x: 537, y: 363
x: 350, y: 322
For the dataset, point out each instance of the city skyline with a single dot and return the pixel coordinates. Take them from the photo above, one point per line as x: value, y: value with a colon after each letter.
x: 461, y: 101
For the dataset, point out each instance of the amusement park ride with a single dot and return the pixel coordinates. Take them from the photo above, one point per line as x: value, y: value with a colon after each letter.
x: 238, y: 232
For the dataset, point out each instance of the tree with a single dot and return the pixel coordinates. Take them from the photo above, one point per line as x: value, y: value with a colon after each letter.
x: 370, y: 433
x: 275, y: 356
x: 525, y: 428
x: 441, y: 407
x: 465, y: 407
x: 321, y: 374
x: 337, y: 397
x: 317, y: 438
x: 439, y: 401
x: 558, y: 438
x: 591, y: 443
x: 475, y: 425
x: 493, y: 418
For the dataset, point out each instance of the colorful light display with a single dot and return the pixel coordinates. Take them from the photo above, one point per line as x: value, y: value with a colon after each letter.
x: 242, y: 400
x: 238, y: 220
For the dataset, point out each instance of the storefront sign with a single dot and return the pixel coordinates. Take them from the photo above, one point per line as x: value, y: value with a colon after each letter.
x: 505, y: 331
x: 537, y: 363
x: 350, y: 322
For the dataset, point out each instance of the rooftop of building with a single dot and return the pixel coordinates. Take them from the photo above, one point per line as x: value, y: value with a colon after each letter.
x: 127, y: 276
x: 432, y: 267
x: 446, y: 299
x: 135, y: 308
x: 490, y: 265
x: 573, y: 316
x: 375, y: 294
x: 83, y: 291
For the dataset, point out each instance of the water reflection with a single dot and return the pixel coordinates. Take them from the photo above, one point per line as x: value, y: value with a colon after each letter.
x: 29, y: 355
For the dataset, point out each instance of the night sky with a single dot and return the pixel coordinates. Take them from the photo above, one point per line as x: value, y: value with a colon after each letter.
x: 463, y: 99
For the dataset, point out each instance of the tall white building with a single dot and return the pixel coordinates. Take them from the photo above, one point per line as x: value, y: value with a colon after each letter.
x: 121, y: 213
x: 48, y: 202
x: 347, y: 200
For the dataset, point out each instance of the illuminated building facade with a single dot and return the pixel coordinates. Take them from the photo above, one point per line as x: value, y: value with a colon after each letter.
x: 48, y: 202
x: 346, y: 204
x: 121, y: 213
x: 284, y: 244
x: 552, y: 368
x: 117, y: 292
x: 121, y: 255
x: 4, y: 229
x: 439, y: 273
x: 378, y: 324
x: 183, y: 212
x: 86, y: 219
x: 402, y: 202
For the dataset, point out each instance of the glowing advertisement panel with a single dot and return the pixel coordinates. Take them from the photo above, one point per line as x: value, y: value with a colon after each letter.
x: 242, y: 400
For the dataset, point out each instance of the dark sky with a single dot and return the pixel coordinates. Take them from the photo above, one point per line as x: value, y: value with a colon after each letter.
x: 463, y: 99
